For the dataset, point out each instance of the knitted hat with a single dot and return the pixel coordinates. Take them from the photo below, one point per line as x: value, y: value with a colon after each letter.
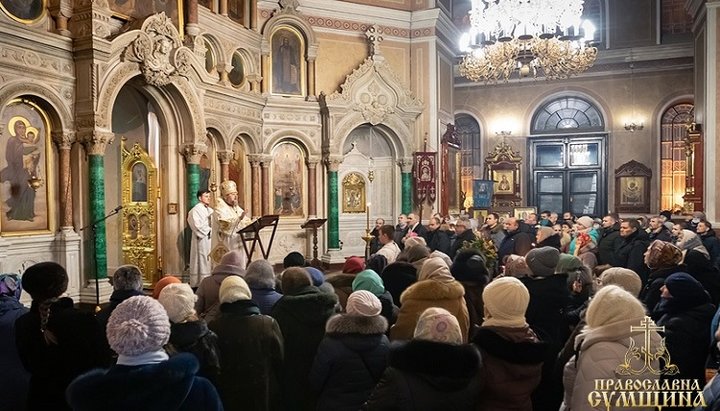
x: 293, y: 279
x: 363, y: 303
x: 45, y: 280
x: 435, y: 268
x: 567, y: 263
x: 437, y: 324
x: 260, y: 274
x: 137, y: 326
x: 585, y: 221
x: 377, y: 263
x: 686, y: 290
x: 353, y: 265
x: 316, y: 275
x: 469, y: 265
x: 162, y: 283
x: 622, y: 277
x: 234, y: 288
x: 294, y: 259
x: 505, y: 301
x: 544, y: 233
x: 661, y: 254
x: 516, y: 266
x: 368, y: 280
x: 542, y: 261
x: 179, y: 301
x: 232, y: 263
x: 10, y: 285
x: 612, y: 304
x: 127, y: 277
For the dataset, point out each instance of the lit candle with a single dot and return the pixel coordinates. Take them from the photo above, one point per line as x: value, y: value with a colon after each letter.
x: 367, y: 216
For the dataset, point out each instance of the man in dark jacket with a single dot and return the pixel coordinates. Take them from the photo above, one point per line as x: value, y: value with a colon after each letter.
x: 515, y: 241
x: 631, y: 247
x: 608, y: 237
x: 463, y: 232
x: 437, y: 239
x: 400, y: 228
x: 658, y: 230
x: 709, y: 240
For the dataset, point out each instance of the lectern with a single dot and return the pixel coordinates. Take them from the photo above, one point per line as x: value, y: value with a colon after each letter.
x: 251, y: 233
x: 314, y: 223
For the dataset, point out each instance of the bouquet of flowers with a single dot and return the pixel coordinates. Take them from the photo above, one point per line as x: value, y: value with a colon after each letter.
x: 582, y: 240
x: 487, y: 248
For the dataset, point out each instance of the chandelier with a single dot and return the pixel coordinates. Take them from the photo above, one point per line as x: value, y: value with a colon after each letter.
x: 530, y: 37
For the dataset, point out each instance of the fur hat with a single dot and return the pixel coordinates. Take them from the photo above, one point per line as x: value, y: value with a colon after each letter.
x: 542, y: 261
x: 544, y: 233
x: 137, y: 326
x: 516, y: 266
x: 437, y: 324
x: 232, y: 263
x: 234, y: 288
x: 363, y: 303
x: 661, y: 254
x: 622, y: 277
x: 353, y: 265
x: 45, y: 280
x: 162, y: 283
x: 179, y: 301
x: 228, y: 187
x: 505, y: 301
x: 293, y: 279
x: 368, y: 280
x: 612, y: 304
x: 294, y: 259
x: 469, y: 265
x: 127, y: 277
x: 316, y: 275
x: 585, y: 221
x: 260, y: 274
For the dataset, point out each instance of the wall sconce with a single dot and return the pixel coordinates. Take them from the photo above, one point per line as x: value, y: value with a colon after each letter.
x: 632, y: 127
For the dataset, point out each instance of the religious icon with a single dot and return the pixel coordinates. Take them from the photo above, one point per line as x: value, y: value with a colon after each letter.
x: 504, y: 183
x: 139, y: 183
x: 24, y: 11
x: 286, y: 65
x: 288, y: 166
x: 632, y: 190
x: 23, y: 156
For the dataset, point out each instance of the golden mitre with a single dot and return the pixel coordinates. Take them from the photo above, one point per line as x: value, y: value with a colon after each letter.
x: 228, y: 187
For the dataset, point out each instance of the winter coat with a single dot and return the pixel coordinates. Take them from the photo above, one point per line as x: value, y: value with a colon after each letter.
x: 552, y: 241
x: 429, y: 376
x: 425, y: 294
x: 630, y: 253
x: 14, y: 378
x: 707, y: 274
x: 168, y: 385
x: 467, y: 235
x: 512, y: 365
x: 438, y: 240
x: 515, y: 242
x: 607, y: 244
x: 302, y: 317
x: 349, y: 361
x: 663, y: 235
x: 251, y: 357
x: 342, y: 283
x: 397, y: 277
x: 81, y: 347
x: 195, y: 338
x: 399, y: 234
x: 650, y: 294
x: 208, y: 293
x: 116, y: 298
x: 601, y: 351
x: 474, y: 301
x: 265, y: 298
x: 389, y: 309
x: 712, y: 244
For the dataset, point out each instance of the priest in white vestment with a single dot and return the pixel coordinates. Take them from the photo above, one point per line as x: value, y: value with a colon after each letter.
x: 199, y: 221
x: 230, y: 217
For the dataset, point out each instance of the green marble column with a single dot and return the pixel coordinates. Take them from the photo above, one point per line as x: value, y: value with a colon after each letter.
x: 406, y: 193
x: 333, y: 211
x: 193, y: 184
x: 97, y: 211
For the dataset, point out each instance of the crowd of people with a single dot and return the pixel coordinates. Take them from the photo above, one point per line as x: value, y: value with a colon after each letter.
x: 425, y: 323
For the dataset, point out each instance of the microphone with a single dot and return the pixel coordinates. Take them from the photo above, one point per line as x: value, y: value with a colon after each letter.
x: 118, y: 208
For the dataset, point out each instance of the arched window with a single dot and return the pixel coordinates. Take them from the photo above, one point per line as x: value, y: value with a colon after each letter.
x: 468, y: 131
x: 673, y: 132
x: 567, y: 114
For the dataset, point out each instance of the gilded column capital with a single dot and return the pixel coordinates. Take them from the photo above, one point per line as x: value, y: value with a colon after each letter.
x: 225, y: 156
x: 255, y: 160
x: 333, y: 162
x: 193, y: 152
x: 63, y: 139
x: 95, y: 141
x: 406, y: 164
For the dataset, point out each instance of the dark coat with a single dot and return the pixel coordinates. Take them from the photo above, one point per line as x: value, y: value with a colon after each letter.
x: 389, y: 309
x: 650, y: 294
x: 552, y: 241
x: 712, y: 244
x: 342, y: 284
x: 515, y: 242
x: 350, y: 361
x: 14, y: 379
x: 427, y: 375
x: 512, y: 366
x: 474, y: 302
x: 607, y: 244
x: 707, y: 274
x: 630, y: 253
x: 467, y: 235
x: 81, y: 347
x: 195, y: 338
x: 302, y: 317
x: 168, y: 385
x: 663, y: 235
x: 251, y: 357
x: 116, y: 298
x: 265, y: 298
x: 419, y: 229
x: 399, y: 234
x: 397, y: 277
x: 438, y: 240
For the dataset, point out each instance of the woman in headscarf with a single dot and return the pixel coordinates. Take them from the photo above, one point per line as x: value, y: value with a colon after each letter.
x: 435, y: 287
x: 369, y: 280
x: 579, y: 283
x: 663, y: 259
x: 688, y: 240
x: 14, y: 378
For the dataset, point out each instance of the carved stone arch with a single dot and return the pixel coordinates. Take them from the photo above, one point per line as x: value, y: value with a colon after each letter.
x: 218, y: 129
x: 215, y: 46
x: 393, y: 130
x: 300, y: 138
x: 217, y: 137
x: 289, y: 16
x: 290, y: 139
x: 249, y: 61
x: 53, y: 105
x: 247, y: 134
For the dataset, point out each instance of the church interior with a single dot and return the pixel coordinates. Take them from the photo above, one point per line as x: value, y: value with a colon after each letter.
x: 117, y: 112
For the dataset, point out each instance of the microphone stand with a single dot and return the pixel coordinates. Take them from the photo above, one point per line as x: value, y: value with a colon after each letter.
x: 93, y: 226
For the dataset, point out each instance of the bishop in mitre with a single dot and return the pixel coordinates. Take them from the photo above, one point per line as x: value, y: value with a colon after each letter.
x: 230, y: 218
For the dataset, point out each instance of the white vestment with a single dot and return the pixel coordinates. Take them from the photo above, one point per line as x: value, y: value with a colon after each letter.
x: 229, y: 221
x: 199, y: 221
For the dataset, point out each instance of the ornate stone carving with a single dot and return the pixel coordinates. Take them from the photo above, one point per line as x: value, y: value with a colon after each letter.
x: 374, y: 36
x: 333, y: 162
x: 255, y: 160
x: 374, y: 104
x: 63, y: 139
x: 159, y: 51
x: 289, y: 6
x: 95, y: 141
x: 406, y: 164
x: 225, y: 156
x: 193, y: 152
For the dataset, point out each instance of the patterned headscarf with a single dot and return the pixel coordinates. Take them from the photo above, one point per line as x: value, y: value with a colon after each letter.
x: 662, y: 254
x: 10, y: 285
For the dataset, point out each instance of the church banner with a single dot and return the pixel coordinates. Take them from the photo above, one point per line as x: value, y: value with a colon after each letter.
x: 425, y: 176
